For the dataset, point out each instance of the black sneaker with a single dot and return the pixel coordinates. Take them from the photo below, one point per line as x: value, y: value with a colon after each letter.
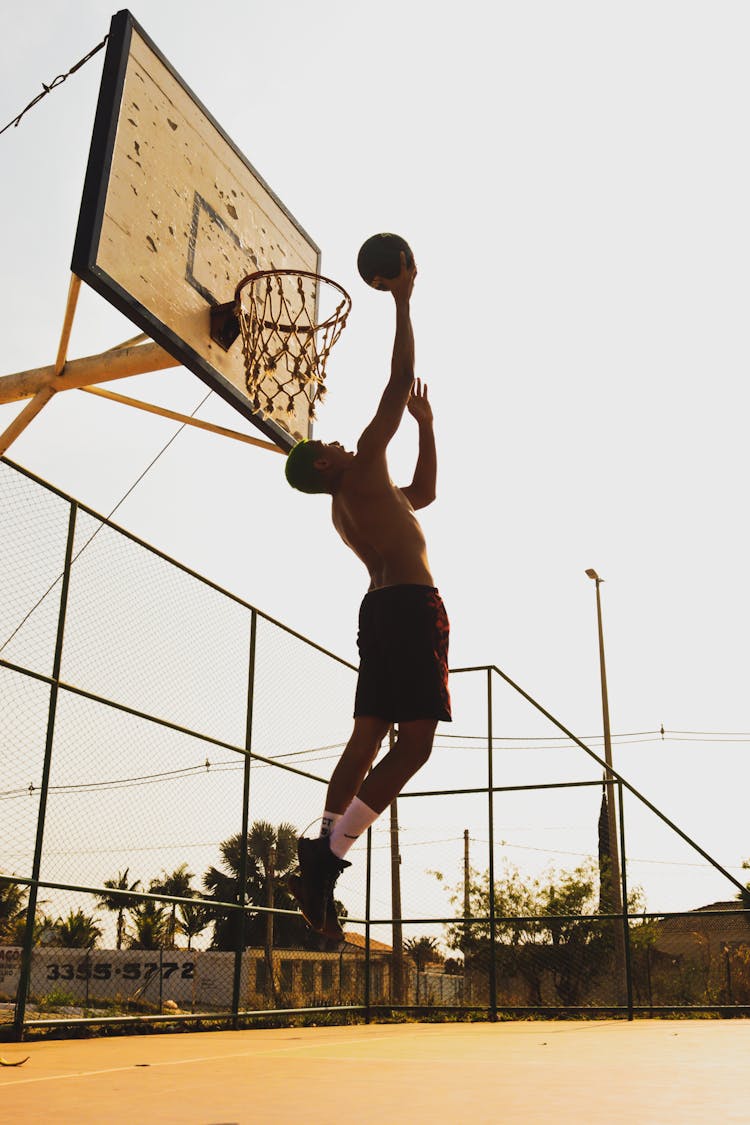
x: 313, y: 886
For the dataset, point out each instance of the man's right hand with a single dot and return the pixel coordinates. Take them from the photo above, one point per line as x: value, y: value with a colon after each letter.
x: 390, y: 410
x: 401, y: 287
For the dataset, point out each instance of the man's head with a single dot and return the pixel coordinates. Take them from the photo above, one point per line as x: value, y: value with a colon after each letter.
x: 314, y: 466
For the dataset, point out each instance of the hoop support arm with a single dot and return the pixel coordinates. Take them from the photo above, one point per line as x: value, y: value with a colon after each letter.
x: 184, y: 418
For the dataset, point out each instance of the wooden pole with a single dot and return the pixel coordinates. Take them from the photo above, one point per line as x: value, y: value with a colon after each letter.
x: 117, y: 363
x: 21, y: 421
x: 70, y: 311
x: 44, y: 393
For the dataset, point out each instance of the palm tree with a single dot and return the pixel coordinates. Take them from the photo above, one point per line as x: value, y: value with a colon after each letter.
x: 12, y: 908
x: 193, y: 920
x: 177, y: 884
x: 423, y: 951
x: 119, y: 903
x: 151, y: 924
x: 261, y: 867
x: 77, y: 931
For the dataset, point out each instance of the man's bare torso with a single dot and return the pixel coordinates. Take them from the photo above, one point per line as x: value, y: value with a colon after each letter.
x: 376, y: 520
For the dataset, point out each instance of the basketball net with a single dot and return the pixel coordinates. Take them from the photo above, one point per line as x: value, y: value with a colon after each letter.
x: 285, y: 346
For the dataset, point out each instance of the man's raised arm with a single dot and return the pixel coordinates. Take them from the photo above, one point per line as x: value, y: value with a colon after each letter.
x: 421, y: 491
x: 390, y: 410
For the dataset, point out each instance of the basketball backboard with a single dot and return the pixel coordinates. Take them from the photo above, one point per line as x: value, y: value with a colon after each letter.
x: 173, y: 216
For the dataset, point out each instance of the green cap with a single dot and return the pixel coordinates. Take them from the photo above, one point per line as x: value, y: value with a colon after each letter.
x: 300, y: 468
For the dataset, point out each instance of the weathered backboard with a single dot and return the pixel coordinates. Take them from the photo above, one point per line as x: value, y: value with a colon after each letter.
x: 173, y: 216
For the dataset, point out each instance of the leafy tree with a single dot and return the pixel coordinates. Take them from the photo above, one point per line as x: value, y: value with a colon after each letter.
x: 151, y: 924
x: 77, y: 930
x: 515, y: 899
x: 538, y: 927
x: 178, y: 883
x: 118, y: 904
x: 223, y: 884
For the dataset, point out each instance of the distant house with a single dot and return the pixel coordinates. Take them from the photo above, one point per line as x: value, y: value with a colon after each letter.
x: 705, y: 932
x: 305, y: 977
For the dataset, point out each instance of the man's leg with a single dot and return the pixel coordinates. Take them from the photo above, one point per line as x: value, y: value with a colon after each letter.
x: 322, y: 861
x: 378, y: 788
x: 359, y: 754
x: 409, y: 753
x: 319, y: 866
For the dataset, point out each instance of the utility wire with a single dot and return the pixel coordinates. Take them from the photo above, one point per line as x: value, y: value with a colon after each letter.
x: 119, y: 503
x: 109, y: 784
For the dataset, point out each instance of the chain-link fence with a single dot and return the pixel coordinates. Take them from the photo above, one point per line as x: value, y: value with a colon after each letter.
x: 163, y: 745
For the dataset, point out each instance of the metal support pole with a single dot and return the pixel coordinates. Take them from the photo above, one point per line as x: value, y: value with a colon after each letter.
x: 491, y: 872
x: 28, y: 940
x: 614, y: 861
x: 397, y: 932
x: 625, y: 920
x: 467, y: 894
x: 612, y: 817
x: 242, y: 889
x: 368, y: 888
x: 270, y: 878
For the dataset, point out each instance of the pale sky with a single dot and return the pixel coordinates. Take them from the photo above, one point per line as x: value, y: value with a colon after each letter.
x: 573, y: 179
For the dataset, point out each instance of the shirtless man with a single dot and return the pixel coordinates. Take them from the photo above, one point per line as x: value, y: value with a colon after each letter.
x: 403, y: 627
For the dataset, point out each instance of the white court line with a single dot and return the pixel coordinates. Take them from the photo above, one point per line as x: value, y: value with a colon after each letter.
x: 184, y: 1062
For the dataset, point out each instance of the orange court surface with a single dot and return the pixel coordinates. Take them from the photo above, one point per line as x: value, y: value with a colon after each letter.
x: 652, y: 1072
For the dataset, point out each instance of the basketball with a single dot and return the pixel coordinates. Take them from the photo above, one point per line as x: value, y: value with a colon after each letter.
x: 380, y: 256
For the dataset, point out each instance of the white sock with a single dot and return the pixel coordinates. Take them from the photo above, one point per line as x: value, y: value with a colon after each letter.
x: 350, y: 826
x: 327, y: 822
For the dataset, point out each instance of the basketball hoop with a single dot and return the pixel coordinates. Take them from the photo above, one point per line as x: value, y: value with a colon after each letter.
x: 285, y: 344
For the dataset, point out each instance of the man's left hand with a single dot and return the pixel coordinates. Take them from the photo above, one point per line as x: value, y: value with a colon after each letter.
x: 418, y: 404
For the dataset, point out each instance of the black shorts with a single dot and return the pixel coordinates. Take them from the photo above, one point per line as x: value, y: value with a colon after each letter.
x: 403, y: 652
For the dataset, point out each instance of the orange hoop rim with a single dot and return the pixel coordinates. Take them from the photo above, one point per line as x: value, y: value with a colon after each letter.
x: 258, y: 275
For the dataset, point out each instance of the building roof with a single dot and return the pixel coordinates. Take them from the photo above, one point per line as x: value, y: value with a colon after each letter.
x: 701, y: 919
x: 676, y: 935
x: 358, y: 942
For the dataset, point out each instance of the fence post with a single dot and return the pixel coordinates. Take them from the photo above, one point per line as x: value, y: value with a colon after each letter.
x: 28, y: 938
x: 242, y: 889
x: 397, y: 930
x: 491, y: 872
x: 368, y: 883
x: 625, y: 919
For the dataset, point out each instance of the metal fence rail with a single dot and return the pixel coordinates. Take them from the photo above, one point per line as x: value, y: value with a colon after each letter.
x: 163, y: 744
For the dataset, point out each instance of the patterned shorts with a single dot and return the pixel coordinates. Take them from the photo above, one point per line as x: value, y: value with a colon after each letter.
x: 403, y: 651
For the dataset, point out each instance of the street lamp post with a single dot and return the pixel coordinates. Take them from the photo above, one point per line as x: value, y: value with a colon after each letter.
x: 614, y: 851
